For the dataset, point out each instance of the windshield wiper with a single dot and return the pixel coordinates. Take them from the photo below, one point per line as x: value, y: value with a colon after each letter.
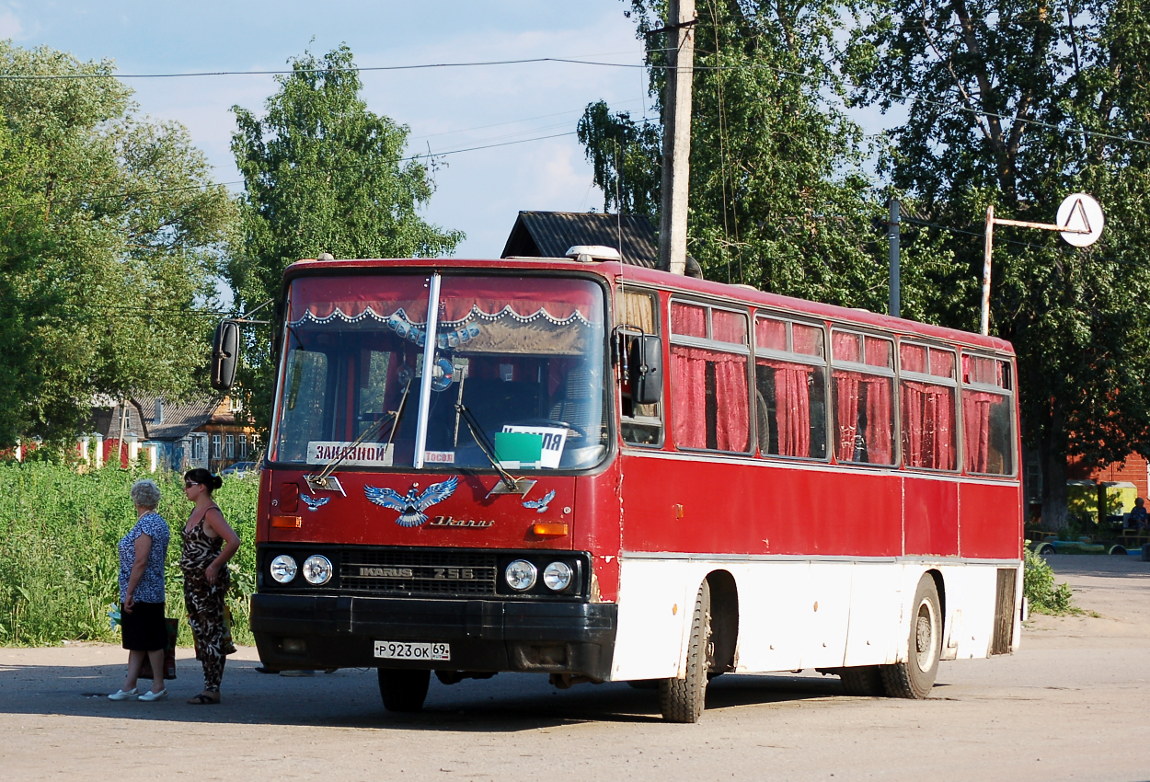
x: 325, y: 480
x: 508, y: 483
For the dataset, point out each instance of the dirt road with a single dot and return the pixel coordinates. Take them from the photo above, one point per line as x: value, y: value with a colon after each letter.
x: 1071, y: 705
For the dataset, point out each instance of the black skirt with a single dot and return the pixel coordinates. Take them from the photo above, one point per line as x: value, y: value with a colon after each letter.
x: 144, y: 628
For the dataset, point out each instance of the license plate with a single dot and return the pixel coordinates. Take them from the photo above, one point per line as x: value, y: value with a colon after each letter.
x: 409, y: 650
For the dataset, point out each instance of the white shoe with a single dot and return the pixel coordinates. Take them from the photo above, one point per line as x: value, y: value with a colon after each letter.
x: 154, y: 696
x: 124, y: 695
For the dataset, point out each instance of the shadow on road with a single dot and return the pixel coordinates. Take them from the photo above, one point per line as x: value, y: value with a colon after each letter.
x: 350, y: 698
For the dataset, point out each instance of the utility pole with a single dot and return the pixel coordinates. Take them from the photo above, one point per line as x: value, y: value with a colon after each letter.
x: 893, y: 224
x: 676, y: 136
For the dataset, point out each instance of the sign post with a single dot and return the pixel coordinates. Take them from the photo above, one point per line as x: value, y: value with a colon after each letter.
x: 1079, y: 221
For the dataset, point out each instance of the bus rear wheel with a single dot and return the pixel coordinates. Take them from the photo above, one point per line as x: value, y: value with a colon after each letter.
x: 403, y: 690
x: 683, y: 699
x: 915, y: 677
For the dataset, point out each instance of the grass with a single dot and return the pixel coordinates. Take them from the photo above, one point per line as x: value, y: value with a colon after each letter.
x: 58, y: 535
x: 1044, y: 595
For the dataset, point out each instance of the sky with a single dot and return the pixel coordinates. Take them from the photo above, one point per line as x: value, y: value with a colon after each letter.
x: 521, y: 117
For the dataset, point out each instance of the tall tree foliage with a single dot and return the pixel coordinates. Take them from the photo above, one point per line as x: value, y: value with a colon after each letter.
x: 1019, y: 103
x: 322, y: 174
x: 777, y: 198
x: 109, y: 240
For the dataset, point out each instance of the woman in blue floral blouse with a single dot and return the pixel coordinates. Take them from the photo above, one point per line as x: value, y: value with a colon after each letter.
x: 143, y: 553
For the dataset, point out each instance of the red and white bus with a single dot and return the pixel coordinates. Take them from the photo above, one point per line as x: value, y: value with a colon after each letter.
x: 609, y: 473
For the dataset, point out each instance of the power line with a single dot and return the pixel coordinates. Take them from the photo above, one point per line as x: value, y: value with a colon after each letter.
x: 408, y: 158
x: 288, y: 72
x: 900, y: 97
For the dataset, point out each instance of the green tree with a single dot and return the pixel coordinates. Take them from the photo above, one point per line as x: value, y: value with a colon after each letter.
x: 1019, y: 104
x: 109, y: 240
x: 322, y: 174
x: 777, y: 196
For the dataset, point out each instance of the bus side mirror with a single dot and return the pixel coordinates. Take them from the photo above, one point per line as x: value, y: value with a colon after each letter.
x: 645, y: 363
x: 225, y: 354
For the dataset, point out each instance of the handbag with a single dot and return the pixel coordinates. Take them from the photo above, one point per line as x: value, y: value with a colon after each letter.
x: 172, y: 625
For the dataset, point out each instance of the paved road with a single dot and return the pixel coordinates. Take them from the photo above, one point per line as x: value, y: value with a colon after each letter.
x: 1072, y: 705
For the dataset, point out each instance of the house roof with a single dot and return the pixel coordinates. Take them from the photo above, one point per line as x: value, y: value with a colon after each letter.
x: 551, y: 234
x: 153, y: 418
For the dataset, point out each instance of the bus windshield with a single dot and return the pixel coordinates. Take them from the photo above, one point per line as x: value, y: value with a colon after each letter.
x: 516, y: 375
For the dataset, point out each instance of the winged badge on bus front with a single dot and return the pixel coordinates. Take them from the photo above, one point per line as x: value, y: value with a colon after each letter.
x: 411, y: 506
x: 314, y: 503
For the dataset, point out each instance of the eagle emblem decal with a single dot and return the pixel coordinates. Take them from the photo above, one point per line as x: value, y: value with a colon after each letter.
x: 411, y: 506
x: 540, y: 505
x: 314, y: 503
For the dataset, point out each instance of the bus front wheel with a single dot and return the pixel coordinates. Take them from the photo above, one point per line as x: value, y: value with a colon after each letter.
x: 403, y: 690
x: 862, y: 680
x: 915, y: 677
x: 683, y: 699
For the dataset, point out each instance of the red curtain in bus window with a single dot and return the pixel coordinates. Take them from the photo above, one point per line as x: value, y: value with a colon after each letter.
x: 792, y: 408
x: 880, y: 421
x: 729, y: 327
x: 928, y: 426
x: 689, y: 391
x: 851, y: 389
x: 688, y: 319
x: 847, y: 397
x: 694, y: 372
x: 732, y: 419
x: 976, y: 425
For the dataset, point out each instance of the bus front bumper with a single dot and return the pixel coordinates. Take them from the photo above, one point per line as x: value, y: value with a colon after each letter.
x: 486, y: 636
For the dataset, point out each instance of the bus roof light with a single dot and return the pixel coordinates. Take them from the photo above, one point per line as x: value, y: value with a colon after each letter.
x: 587, y: 253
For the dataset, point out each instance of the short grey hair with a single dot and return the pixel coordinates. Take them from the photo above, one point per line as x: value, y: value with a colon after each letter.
x: 145, y: 494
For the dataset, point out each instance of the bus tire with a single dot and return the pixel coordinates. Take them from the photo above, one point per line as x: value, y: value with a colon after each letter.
x: 683, y: 699
x: 862, y: 680
x: 403, y: 690
x: 915, y: 677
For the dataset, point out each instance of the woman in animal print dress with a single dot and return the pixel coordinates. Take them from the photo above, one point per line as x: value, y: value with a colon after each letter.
x: 209, y: 542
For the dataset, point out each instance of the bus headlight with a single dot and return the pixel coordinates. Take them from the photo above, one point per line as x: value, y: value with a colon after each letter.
x: 557, y: 576
x: 283, y: 569
x: 317, y: 570
x: 520, y: 575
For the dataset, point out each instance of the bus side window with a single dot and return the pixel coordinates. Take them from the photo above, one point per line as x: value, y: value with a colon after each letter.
x: 790, y: 388
x: 927, y: 387
x: 986, y: 416
x: 709, y: 389
x: 640, y: 424
x: 862, y: 382
x: 708, y: 376
x: 791, y: 400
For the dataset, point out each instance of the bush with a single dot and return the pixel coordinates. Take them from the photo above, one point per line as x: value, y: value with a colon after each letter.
x: 58, y: 535
x: 1044, y: 596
